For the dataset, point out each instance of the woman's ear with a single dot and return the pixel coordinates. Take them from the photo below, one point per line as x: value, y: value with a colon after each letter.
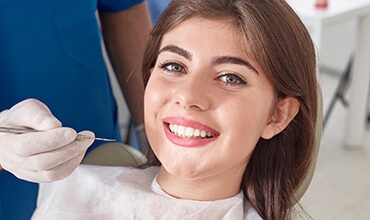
x: 284, y: 112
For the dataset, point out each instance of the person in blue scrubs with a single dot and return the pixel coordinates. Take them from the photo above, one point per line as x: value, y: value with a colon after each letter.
x: 51, y: 50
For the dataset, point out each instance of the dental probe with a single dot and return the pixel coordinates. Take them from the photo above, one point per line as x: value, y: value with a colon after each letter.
x: 24, y: 131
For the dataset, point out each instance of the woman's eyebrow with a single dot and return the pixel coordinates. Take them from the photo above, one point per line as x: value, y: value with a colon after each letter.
x: 233, y: 60
x: 177, y: 50
x: 215, y: 61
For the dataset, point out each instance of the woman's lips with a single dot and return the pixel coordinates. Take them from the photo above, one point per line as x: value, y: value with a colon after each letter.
x: 188, y: 133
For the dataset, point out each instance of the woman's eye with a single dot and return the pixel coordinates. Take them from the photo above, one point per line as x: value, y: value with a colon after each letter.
x: 232, y: 79
x: 173, y: 67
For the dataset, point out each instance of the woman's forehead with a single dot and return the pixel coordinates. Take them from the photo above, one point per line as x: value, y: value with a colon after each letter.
x: 198, y: 29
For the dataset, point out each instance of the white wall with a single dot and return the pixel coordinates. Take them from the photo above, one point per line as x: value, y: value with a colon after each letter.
x: 338, y: 44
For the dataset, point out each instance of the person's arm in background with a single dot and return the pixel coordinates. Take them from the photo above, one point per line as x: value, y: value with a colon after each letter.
x: 124, y: 34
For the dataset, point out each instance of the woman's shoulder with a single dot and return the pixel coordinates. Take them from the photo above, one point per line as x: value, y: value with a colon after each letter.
x: 112, y: 173
x: 90, y: 177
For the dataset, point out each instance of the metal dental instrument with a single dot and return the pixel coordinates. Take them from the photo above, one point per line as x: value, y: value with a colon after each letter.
x: 24, y: 131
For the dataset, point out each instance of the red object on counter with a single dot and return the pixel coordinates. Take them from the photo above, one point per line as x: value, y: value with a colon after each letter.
x: 321, y: 4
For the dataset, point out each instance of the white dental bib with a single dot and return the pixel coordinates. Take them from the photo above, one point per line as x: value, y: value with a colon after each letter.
x: 98, y: 192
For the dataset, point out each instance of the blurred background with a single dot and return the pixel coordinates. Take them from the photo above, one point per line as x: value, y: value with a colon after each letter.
x: 340, y: 188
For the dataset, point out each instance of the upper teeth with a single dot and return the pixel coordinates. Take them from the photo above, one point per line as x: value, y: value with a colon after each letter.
x: 189, y: 132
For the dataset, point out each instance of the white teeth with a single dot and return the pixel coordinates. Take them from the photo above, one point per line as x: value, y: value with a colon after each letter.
x: 181, y: 131
x: 203, y: 134
x: 196, y: 133
x: 189, y: 132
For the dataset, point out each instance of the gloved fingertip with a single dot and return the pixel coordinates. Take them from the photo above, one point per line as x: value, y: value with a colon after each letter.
x: 69, y: 134
x: 88, y: 134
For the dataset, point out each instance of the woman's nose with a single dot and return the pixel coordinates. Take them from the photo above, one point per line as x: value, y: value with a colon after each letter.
x: 192, y: 94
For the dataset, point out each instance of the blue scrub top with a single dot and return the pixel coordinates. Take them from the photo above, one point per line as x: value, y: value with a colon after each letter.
x: 156, y: 8
x: 51, y: 50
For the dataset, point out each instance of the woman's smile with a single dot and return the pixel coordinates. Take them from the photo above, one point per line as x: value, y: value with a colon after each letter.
x: 188, y: 133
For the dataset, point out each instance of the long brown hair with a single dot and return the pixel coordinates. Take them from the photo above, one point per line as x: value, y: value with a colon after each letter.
x: 278, y: 41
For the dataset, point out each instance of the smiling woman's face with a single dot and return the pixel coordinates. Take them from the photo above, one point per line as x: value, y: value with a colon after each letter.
x: 206, y: 102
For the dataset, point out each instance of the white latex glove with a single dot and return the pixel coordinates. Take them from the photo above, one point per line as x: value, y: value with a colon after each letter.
x: 40, y: 156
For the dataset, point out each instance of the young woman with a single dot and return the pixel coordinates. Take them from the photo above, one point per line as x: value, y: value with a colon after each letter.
x: 230, y: 112
x: 259, y: 69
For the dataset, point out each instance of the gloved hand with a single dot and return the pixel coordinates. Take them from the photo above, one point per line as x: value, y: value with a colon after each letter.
x: 40, y: 156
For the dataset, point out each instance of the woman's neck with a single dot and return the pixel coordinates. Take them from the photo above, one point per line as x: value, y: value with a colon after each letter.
x: 201, y: 189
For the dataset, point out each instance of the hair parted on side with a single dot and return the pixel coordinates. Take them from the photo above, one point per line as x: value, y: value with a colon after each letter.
x: 278, y: 41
